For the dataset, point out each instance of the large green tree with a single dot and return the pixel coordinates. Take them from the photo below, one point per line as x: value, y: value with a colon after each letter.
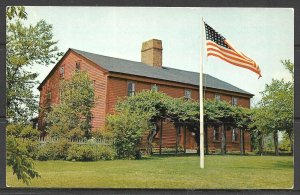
x: 275, y: 109
x: 72, y: 117
x: 25, y: 46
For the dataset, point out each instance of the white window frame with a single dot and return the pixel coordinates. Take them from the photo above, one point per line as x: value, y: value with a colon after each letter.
x: 216, y: 129
x: 154, y: 87
x: 132, y: 92
x: 77, y: 65
x: 188, y: 92
x: 62, y: 72
x: 233, y: 101
x: 234, y: 135
x: 217, y: 97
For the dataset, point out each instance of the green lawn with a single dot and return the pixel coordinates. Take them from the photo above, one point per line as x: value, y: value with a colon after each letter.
x: 166, y: 172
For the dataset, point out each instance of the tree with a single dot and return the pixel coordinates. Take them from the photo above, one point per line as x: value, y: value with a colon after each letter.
x: 275, y: 111
x: 153, y: 103
x: 21, y: 147
x: 73, y: 116
x: 242, y: 120
x: 25, y: 46
x: 128, y: 127
x: 219, y: 113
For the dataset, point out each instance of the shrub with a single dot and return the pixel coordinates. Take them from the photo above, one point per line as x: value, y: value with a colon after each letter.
x: 45, y: 152
x: 25, y: 135
x: 13, y: 130
x: 29, y: 133
x: 90, y: 153
x: 102, y: 133
x: 60, y: 149
x: 54, y: 151
x: 128, y: 128
x: 22, y: 131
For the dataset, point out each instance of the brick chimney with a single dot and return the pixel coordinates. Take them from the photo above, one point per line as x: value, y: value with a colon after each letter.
x: 152, y: 53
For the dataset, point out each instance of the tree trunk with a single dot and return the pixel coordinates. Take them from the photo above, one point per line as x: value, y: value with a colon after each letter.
x: 261, y: 144
x: 160, y: 137
x: 223, y: 141
x: 206, y: 139
x: 197, y: 139
x: 184, y: 138
x: 291, y: 142
x: 242, y: 142
x: 177, y: 130
x: 275, y: 136
x: 152, y: 134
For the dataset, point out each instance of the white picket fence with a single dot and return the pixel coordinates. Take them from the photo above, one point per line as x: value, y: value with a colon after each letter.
x: 44, y: 140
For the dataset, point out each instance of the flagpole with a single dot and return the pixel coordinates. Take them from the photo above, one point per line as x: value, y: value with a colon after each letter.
x: 201, y: 100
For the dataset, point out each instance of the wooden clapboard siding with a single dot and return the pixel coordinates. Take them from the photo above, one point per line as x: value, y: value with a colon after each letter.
x: 111, y: 86
x: 95, y: 73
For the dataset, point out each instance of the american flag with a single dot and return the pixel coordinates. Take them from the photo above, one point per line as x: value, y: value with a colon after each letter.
x: 220, y: 47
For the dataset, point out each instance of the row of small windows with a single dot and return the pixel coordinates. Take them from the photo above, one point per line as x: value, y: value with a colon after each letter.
x: 62, y: 69
x: 187, y: 92
x: 216, y: 134
x: 154, y: 87
x: 234, y: 100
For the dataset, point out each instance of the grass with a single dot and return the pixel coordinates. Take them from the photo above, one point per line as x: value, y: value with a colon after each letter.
x: 230, y: 172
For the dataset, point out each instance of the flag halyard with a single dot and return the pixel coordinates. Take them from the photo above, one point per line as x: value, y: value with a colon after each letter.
x: 218, y: 46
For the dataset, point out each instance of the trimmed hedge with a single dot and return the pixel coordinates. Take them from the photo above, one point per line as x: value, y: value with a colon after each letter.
x: 90, y: 153
x: 64, y: 150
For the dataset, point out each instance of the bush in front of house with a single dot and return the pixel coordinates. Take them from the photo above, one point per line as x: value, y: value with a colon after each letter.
x: 128, y: 128
x: 53, y: 151
x: 90, y: 152
x: 26, y: 136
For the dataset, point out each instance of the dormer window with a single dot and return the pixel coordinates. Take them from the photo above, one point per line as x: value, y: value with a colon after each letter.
x: 62, y: 72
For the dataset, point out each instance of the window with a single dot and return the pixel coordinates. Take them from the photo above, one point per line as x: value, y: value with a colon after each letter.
x: 217, y: 97
x: 234, y: 135
x: 154, y: 87
x: 48, y: 96
x: 60, y: 95
x: 78, y: 65
x: 48, y: 99
x: 62, y: 72
x: 131, y: 88
x: 188, y: 94
x: 234, y: 101
x: 216, y: 133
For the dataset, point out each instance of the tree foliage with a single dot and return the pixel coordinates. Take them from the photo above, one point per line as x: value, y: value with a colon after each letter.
x: 128, y: 127
x: 275, y: 109
x: 137, y: 114
x: 21, y: 146
x: 73, y: 116
x: 25, y: 46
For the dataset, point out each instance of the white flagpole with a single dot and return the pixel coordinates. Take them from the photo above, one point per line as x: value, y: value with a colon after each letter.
x: 201, y: 100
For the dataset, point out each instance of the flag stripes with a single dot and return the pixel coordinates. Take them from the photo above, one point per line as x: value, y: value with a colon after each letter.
x: 231, y: 57
x: 219, y: 47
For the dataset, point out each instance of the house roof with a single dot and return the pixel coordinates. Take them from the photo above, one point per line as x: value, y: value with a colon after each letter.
x: 165, y: 73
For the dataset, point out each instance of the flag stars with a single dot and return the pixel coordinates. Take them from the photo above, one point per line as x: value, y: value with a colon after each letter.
x: 214, y: 36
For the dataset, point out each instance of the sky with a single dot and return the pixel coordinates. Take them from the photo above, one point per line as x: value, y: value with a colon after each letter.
x: 266, y: 35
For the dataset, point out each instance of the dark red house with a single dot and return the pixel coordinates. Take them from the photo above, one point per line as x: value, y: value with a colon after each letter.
x: 114, y: 77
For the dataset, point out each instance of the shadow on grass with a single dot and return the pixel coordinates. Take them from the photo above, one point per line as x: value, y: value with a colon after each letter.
x: 163, y: 156
x: 278, y: 165
x: 284, y: 165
